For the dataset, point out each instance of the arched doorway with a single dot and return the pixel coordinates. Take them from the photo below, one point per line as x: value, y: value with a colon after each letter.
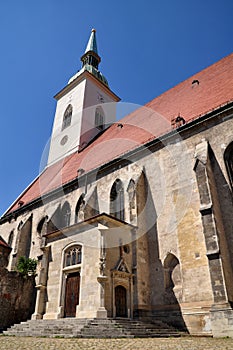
x: 121, y: 301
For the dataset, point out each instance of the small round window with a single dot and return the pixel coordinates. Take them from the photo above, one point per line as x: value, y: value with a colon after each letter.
x: 64, y: 140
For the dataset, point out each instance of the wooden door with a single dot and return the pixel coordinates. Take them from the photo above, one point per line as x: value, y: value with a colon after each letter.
x: 121, y: 301
x: 72, y: 294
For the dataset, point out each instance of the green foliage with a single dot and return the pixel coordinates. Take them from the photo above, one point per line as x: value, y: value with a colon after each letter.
x: 26, y: 266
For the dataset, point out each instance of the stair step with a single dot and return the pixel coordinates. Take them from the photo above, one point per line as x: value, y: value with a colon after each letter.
x: 92, y: 328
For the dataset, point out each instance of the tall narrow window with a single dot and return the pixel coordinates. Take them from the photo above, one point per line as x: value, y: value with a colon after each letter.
x: 67, y: 117
x: 228, y: 157
x: 99, y: 118
x: 65, y: 215
x: 10, y: 238
x: 117, y: 200
x: 42, y: 226
x: 132, y: 201
x: 79, y: 210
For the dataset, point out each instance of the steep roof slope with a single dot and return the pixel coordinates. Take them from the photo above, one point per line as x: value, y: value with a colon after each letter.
x: 194, y: 97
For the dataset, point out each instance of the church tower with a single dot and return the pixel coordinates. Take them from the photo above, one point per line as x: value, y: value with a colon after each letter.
x: 85, y: 107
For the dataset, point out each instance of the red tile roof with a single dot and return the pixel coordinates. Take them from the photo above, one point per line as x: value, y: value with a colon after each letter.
x: 213, y: 88
x: 3, y: 243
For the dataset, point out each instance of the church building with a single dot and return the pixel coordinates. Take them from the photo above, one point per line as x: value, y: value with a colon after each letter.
x: 132, y: 218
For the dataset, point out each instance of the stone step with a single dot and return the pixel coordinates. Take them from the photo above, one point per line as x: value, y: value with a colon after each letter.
x: 92, y: 328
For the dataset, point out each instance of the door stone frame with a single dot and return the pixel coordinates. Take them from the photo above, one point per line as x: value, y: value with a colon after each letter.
x: 65, y: 271
x: 124, y: 279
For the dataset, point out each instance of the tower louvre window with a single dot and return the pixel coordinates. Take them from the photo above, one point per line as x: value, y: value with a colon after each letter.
x: 99, y: 118
x: 67, y: 117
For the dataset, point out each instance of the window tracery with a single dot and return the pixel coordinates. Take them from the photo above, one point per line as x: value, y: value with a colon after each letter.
x: 73, y: 256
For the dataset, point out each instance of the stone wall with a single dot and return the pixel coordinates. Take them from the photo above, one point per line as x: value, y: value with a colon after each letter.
x: 17, y: 298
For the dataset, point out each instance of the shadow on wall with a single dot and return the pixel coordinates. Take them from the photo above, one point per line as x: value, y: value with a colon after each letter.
x: 225, y: 194
x: 223, y: 214
x: 164, y: 283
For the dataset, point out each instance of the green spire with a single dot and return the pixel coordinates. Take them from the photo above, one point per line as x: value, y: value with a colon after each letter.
x: 90, y: 60
x: 91, y: 56
x: 92, y: 43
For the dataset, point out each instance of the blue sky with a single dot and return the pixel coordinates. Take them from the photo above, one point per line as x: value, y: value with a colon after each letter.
x: 146, y: 48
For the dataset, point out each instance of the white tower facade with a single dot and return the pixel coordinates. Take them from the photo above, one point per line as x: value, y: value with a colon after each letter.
x: 85, y: 107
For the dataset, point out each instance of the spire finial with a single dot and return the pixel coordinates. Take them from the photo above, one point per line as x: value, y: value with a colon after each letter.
x: 91, y: 56
x: 92, y: 43
x: 90, y: 60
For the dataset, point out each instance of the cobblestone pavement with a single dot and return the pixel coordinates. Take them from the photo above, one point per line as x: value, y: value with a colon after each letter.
x: 185, y: 343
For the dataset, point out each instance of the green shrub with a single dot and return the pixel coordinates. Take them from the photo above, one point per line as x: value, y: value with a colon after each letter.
x: 26, y: 266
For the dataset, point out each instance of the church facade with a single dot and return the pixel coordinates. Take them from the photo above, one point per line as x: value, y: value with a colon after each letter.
x: 133, y: 218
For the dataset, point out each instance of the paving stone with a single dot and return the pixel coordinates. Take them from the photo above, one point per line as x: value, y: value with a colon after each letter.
x: 183, y: 343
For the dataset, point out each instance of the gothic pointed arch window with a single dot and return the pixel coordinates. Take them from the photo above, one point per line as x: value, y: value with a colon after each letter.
x: 99, y: 118
x: 65, y: 215
x: 132, y: 201
x: 79, y: 210
x: 67, y: 117
x: 10, y: 238
x: 73, y: 256
x: 228, y: 158
x: 42, y: 226
x: 117, y: 200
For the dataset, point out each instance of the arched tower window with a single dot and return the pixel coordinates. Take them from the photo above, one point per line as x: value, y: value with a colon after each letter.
x: 117, y: 200
x: 99, y: 118
x: 67, y: 117
x: 228, y: 157
x: 65, y: 215
x: 79, y: 210
x: 73, y: 256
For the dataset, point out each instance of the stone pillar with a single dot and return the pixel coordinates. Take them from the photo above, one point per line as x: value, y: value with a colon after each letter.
x: 102, y: 278
x: 102, y: 312
x: 42, y: 285
x: 221, y: 313
x: 216, y: 247
x: 134, y: 282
